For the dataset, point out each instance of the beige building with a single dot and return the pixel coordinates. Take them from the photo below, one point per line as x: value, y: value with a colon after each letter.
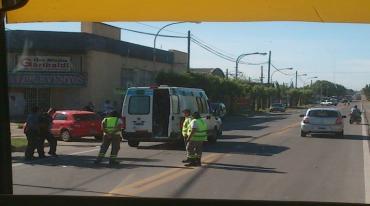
x: 66, y: 70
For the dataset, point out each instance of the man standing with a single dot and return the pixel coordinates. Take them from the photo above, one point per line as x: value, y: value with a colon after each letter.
x: 46, y: 122
x: 185, y: 131
x: 32, y: 132
x: 111, y: 126
x: 196, y: 138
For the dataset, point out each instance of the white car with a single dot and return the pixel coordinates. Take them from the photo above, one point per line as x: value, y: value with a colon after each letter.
x: 326, y: 103
x: 322, y: 121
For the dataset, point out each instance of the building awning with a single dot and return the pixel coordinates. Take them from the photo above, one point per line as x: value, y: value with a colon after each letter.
x: 49, y: 80
x: 344, y: 11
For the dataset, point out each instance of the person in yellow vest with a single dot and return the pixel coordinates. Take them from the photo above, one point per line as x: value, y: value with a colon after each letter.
x: 185, y: 131
x: 111, y: 127
x: 196, y: 138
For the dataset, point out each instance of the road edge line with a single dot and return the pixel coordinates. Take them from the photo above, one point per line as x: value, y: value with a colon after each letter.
x: 366, y: 151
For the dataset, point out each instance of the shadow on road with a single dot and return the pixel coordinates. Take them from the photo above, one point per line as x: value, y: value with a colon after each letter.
x: 58, y: 190
x: 249, y: 123
x: 345, y: 137
x: 228, y: 136
x: 233, y: 147
x: 244, y: 168
x: 246, y: 148
x: 199, y: 173
x: 88, y: 162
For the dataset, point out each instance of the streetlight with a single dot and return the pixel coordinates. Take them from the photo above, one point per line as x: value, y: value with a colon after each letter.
x: 277, y: 70
x: 296, y: 78
x: 240, y: 57
x: 159, y: 31
x: 311, y: 78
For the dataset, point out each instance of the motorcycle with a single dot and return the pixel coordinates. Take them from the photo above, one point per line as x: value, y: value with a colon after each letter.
x: 355, y: 118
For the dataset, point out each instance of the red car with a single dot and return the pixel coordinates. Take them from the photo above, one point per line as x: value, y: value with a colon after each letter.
x: 70, y: 124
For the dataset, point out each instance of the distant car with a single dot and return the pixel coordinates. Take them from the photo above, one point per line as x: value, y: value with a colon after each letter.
x: 322, y: 121
x: 71, y: 124
x: 277, y: 107
x: 326, y: 103
x: 218, y: 109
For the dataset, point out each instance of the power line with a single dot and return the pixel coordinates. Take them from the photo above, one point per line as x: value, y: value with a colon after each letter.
x: 154, y: 27
x: 152, y: 34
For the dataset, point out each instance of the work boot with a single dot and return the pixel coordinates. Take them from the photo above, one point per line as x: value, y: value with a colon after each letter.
x: 188, y: 160
x: 198, y: 162
x: 113, y: 162
x: 192, y: 163
x: 98, y: 161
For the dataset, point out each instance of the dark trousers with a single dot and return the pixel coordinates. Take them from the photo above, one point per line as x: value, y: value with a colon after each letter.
x: 51, y: 140
x: 33, y: 142
x: 194, y: 149
x: 108, y: 139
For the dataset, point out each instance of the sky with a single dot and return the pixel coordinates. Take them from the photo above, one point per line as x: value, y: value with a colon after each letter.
x: 335, y: 52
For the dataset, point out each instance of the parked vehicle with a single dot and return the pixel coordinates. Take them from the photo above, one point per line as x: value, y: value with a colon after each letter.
x: 154, y: 114
x: 277, y: 107
x: 69, y: 124
x: 218, y: 109
x: 322, y: 121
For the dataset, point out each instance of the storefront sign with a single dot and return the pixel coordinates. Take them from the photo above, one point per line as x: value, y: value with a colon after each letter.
x: 47, y: 80
x: 44, y: 63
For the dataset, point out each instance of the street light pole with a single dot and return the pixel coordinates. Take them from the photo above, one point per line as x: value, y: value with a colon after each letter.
x: 240, y: 57
x: 159, y: 31
x: 290, y: 68
x: 296, y: 78
x: 269, y: 69
x: 188, y: 65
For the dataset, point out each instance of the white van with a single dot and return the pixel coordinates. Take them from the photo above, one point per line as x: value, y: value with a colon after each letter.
x: 154, y: 114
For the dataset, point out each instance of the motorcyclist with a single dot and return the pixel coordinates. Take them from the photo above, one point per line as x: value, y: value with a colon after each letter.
x: 355, y: 111
x: 355, y: 115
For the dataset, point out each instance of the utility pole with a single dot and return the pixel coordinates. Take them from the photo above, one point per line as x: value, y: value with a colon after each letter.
x: 227, y: 73
x: 269, y: 68
x: 6, y: 184
x: 189, y: 40
x: 261, y: 74
x: 296, y: 79
x: 311, y: 83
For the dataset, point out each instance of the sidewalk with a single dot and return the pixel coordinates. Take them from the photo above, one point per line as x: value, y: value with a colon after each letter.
x: 15, y: 131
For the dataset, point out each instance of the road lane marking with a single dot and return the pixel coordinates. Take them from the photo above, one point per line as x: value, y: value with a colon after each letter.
x: 159, y: 179
x: 75, y: 153
x: 365, y: 145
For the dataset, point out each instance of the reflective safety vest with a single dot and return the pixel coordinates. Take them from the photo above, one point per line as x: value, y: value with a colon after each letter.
x: 201, y: 130
x: 110, y: 124
x: 186, y: 127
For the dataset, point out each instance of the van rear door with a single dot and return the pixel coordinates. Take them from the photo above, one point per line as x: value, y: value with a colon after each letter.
x: 138, y: 110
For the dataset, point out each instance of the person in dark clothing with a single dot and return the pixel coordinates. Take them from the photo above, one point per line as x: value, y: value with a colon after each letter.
x: 89, y: 107
x: 46, y: 121
x: 32, y: 131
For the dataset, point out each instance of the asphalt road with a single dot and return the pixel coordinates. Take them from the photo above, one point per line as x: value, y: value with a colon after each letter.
x: 259, y: 158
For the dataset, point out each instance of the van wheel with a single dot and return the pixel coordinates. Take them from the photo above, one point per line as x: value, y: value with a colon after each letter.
x: 132, y: 143
x: 303, y: 134
x: 65, y: 135
x: 213, y: 138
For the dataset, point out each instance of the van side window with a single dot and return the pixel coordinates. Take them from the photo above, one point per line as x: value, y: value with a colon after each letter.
x: 205, y: 105
x: 175, y: 104
x: 200, y: 105
x: 139, y: 105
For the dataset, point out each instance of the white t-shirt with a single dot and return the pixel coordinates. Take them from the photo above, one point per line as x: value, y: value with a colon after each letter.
x: 193, y: 124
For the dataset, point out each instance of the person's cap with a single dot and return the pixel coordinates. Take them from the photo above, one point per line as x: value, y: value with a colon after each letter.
x: 186, y: 110
x: 196, y: 115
